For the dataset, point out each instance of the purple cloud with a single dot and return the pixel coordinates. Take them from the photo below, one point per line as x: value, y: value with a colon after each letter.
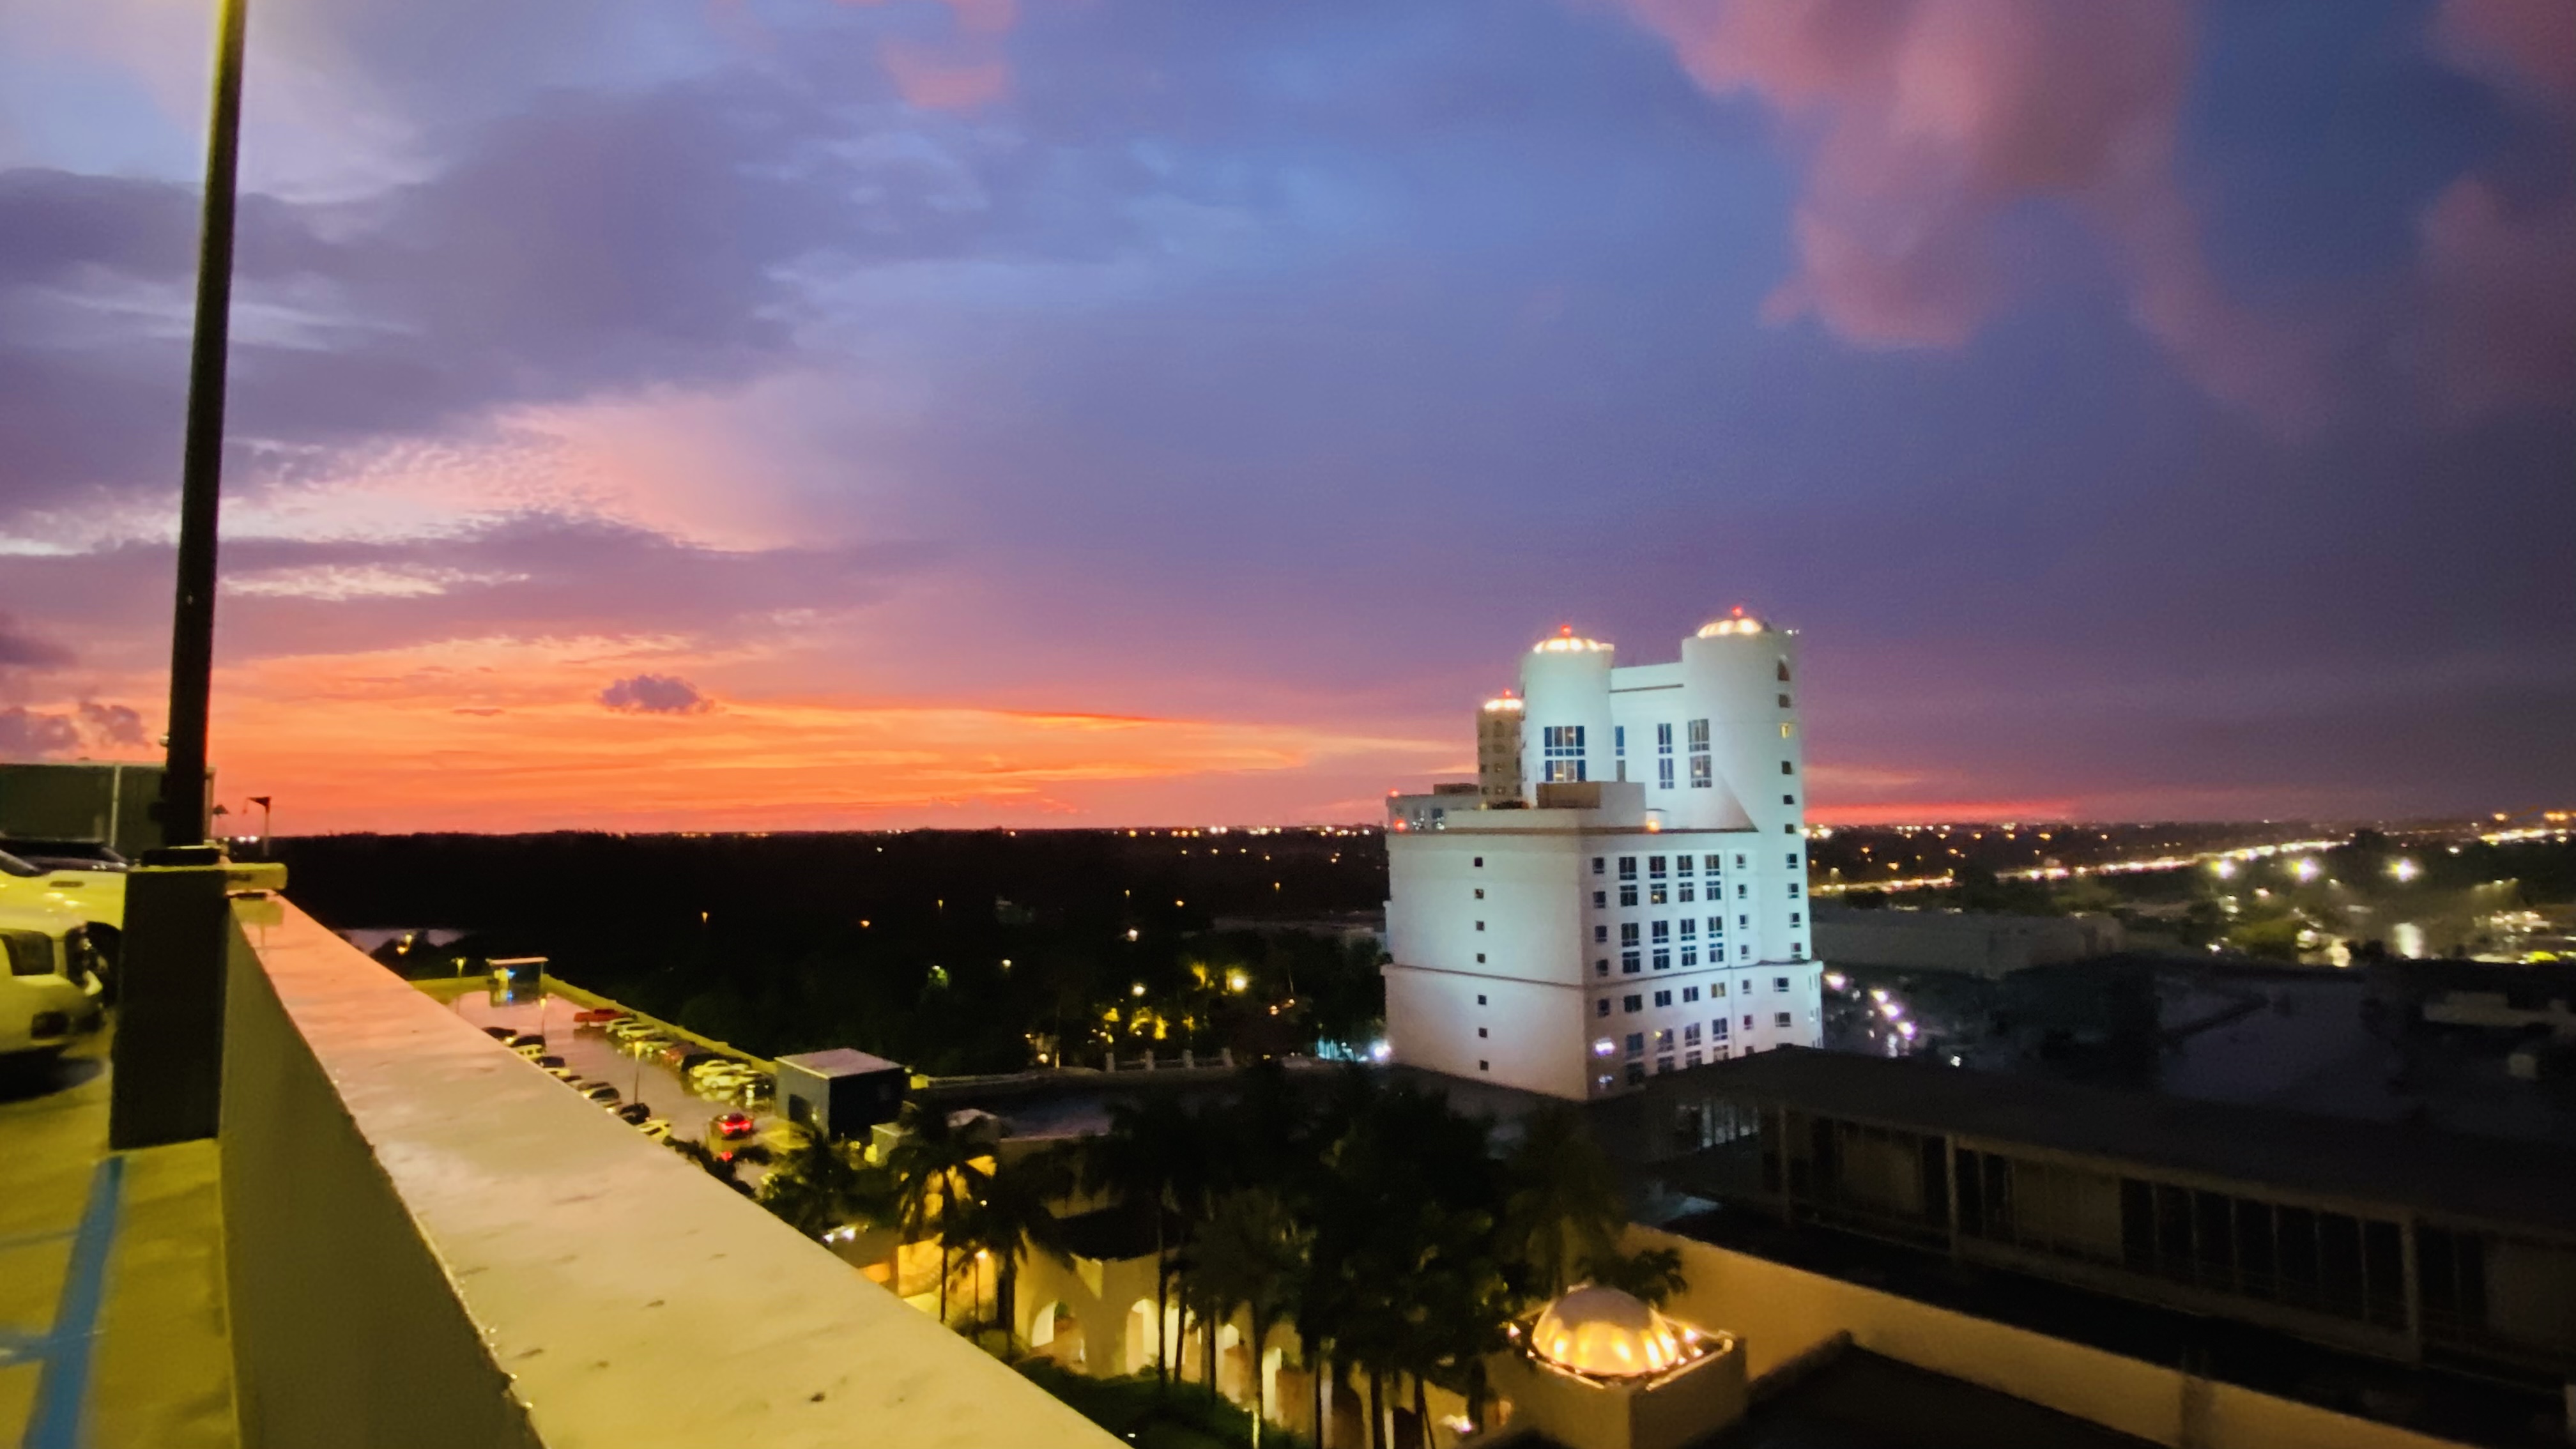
x: 655, y: 694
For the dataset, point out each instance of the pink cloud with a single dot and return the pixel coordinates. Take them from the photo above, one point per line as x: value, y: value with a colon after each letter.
x: 1929, y: 120
x: 2501, y: 290
x: 2530, y: 44
x: 933, y: 81
x: 964, y: 74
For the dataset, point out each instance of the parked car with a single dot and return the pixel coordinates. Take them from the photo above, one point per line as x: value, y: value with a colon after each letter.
x: 654, y: 1127
x: 599, y: 1092
x: 500, y: 1033
x: 565, y: 1075
x: 50, y: 994
x: 597, y: 1016
x: 733, y: 1126
x: 550, y: 1062
x: 634, y: 1113
x: 528, y: 1044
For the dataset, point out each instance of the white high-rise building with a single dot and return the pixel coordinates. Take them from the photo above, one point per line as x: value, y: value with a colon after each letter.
x: 1639, y: 904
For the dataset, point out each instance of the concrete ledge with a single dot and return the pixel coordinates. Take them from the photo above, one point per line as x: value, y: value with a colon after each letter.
x: 430, y: 1243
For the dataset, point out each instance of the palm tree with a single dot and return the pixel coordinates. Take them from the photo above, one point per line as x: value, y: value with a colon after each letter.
x: 933, y: 1162
x: 1011, y: 1212
x: 1651, y: 1276
x: 816, y: 1184
x: 1564, y: 1202
x: 1152, y: 1159
x: 1248, y: 1254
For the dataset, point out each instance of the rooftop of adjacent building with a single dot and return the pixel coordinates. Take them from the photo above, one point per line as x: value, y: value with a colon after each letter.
x: 2498, y: 1180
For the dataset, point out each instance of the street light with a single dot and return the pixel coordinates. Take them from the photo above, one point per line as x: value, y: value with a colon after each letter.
x: 192, y: 633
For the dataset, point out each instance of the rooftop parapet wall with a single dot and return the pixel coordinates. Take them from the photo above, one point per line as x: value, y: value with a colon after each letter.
x: 429, y: 1242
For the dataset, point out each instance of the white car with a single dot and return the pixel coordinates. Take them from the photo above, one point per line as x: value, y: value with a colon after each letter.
x: 50, y: 995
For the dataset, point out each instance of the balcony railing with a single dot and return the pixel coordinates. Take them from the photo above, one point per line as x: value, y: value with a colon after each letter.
x: 428, y: 1242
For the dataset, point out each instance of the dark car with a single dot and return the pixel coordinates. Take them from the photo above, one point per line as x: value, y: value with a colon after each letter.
x: 550, y: 1061
x: 734, y: 1126
x: 500, y: 1033
x: 634, y: 1112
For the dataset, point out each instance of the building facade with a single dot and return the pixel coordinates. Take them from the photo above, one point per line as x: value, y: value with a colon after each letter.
x: 1639, y: 905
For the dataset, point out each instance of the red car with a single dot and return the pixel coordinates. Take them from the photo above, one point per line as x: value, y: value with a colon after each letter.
x: 734, y: 1126
x: 596, y: 1016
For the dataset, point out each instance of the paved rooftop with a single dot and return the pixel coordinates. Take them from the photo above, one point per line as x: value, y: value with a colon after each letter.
x: 111, y: 1275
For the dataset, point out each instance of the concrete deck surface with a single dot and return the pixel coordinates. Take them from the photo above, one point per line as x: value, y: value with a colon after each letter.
x: 111, y: 1274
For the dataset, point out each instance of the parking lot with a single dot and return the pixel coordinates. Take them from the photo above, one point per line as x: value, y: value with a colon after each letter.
x: 595, y: 1056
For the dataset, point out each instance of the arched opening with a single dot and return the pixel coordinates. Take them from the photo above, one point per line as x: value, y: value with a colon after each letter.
x: 1056, y: 1333
x: 1141, y: 1338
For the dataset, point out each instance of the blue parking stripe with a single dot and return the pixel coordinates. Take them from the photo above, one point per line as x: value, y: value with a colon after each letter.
x: 62, y: 1393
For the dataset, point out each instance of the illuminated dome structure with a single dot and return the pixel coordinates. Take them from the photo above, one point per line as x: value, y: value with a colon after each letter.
x: 1563, y: 641
x: 1604, y: 1332
x: 1738, y: 622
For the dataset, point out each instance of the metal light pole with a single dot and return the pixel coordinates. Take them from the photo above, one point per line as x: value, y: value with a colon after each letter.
x: 192, y: 633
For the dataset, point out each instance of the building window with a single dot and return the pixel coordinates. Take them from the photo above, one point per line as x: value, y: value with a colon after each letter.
x: 1603, y: 1046
x: 1788, y: 799
x: 1601, y: 1007
x: 1688, y: 895
x: 1709, y: 864
x: 1717, y: 1029
x: 1600, y: 900
x: 1663, y: 739
x: 1787, y: 730
x: 1601, y: 934
x: 1748, y: 1023
x: 1744, y: 923
x: 1619, y: 742
x: 1628, y: 894
x: 1716, y: 990
x: 1480, y: 1000
x: 1785, y: 768
x: 1636, y: 1074
x: 1788, y: 830
x: 1690, y: 1059
x: 1743, y: 953
x: 1664, y: 1040
x: 1784, y: 701
x: 1636, y: 1043
x: 1702, y: 774
x: 1561, y: 747
x: 1627, y: 867
x: 1480, y: 925
x: 1601, y: 967
x: 1663, y: 959
x: 1480, y: 1033
x: 1690, y: 957
x: 1664, y: 773
x: 1689, y: 995
x: 1657, y: 894
x: 1480, y: 865
x: 1780, y: 1019
x: 1797, y: 950
x: 1662, y: 931
x: 1690, y: 1034
x: 1690, y: 928
x: 1793, y: 890
x: 1779, y: 983
x: 1698, y: 732
x: 1629, y: 962
x: 1632, y: 1004
x: 1784, y: 669
x: 1792, y: 859
x: 1716, y: 924
x: 1480, y: 958
x: 1596, y: 865
x: 1663, y: 998
x: 1739, y: 862
x: 1655, y: 865
x: 1627, y: 933
x: 1739, y: 890
x: 1484, y: 1066
x: 1797, y: 918
x: 1480, y: 893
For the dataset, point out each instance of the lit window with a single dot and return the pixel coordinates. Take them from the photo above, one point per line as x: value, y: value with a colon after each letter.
x: 1788, y: 730
x: 1657, y: 894
x: 1561, y: 748
x: 1603, y: 1046
x: 1717, y: 990
x: 1664, y: 1040
x: 1701, y: 776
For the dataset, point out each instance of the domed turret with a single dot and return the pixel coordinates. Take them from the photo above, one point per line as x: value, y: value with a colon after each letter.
x: 1605, y: 1332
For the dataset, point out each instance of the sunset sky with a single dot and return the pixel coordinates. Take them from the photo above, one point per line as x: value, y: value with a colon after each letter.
x: 804, y: 413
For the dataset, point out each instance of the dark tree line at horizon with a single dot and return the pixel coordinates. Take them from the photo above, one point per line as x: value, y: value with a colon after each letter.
x: 895, y: 943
